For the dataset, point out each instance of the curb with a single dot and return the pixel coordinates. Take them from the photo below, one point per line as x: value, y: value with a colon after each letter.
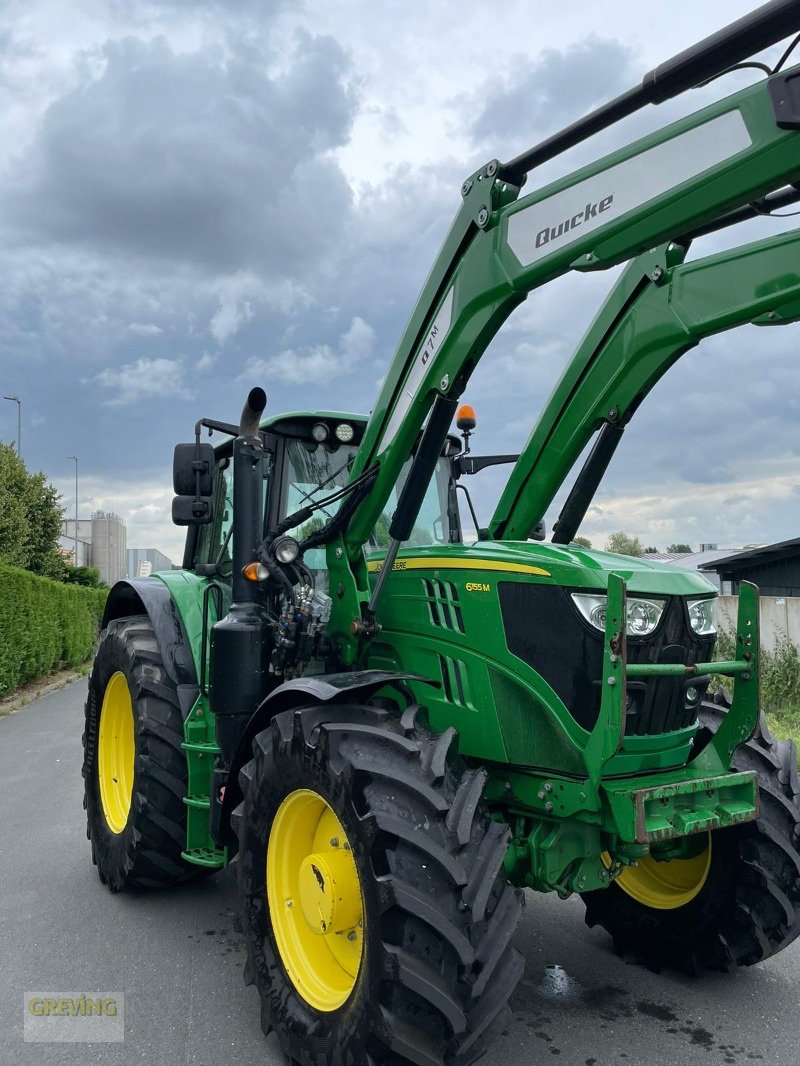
x: 35, y: 690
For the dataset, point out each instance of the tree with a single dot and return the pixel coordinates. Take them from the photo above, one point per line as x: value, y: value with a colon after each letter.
x: 83, y: 575
x: 650, y: 551
x: 380, y: 534
x: 687, y: 548
x: 45, y: 517
x: 624, y: 544
x: 30, y: 518
x: 583, y: 541
x: 14, y: 529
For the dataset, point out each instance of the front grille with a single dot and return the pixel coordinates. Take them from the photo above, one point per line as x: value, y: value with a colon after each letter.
x: 544, y: 629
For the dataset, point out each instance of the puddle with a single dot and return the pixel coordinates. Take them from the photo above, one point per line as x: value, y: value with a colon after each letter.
x: 556, y: 983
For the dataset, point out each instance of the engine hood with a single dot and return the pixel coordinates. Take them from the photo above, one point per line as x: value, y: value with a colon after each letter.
x: 570, y: 566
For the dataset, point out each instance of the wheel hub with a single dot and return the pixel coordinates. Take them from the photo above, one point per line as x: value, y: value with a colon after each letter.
x: 315, y: 900
x: 329, y: 892
x: 668, y: 885
x: 116, y: 752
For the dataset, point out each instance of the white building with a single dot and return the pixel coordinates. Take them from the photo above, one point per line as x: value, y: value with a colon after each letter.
x: 67, y: 541
x: 102, y: 542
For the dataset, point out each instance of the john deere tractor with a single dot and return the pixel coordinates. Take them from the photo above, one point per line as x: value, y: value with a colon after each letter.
x: 391, y: 729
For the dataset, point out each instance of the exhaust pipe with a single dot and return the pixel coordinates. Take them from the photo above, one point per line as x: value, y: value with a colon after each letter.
x: 241, y: 641
x: 251, y: 412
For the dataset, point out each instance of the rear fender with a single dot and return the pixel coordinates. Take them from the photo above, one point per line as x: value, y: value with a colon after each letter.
x: 148, y: 596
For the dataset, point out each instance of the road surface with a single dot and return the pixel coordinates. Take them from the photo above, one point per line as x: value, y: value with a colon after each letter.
x: 177, y: 955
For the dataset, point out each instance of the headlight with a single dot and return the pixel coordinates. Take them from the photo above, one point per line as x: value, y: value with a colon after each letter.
x: 703, y: 615
x: 643, y: 616
x: 286, y: 549
x: 319, y: 432
x: 344, y: 432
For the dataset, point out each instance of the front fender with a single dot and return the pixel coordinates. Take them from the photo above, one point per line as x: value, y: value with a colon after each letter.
x: 301, y: 691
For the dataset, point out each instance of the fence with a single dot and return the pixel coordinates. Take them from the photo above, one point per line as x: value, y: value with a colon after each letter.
x: 779, y: 617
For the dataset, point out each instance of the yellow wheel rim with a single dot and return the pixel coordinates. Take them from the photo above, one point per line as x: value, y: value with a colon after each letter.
x: 315, y: 900
x: 665, y: 886
x: 116, y: 752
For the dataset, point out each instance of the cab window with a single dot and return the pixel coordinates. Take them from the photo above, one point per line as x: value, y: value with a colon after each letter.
x: 432, y: 525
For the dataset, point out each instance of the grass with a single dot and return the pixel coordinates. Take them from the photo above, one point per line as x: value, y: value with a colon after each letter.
x: 785, y: 724
x: 780, y: 684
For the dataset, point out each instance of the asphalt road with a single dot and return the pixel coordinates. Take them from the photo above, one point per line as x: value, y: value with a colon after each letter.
x: 177, y: 955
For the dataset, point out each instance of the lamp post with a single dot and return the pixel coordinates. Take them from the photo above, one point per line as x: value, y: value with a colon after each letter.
x: 76, y: 505
x: 18, y: 402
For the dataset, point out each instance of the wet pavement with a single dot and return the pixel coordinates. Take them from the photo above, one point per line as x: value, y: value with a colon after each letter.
x: 177, y: 956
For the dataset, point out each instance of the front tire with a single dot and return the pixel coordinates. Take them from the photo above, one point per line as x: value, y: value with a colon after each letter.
x: 748, y: 906
x: 134, y: 768
x: 429, y: 967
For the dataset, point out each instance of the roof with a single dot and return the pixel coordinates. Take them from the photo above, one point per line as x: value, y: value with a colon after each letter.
x: 768, y: 553
x: 667, y: 557
x: 693, y: 560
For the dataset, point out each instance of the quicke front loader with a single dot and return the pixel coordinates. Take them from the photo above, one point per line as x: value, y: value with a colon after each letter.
x: 392, y: 731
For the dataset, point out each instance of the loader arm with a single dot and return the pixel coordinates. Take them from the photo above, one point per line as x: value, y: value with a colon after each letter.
x: 502, y: 246
x: 659, y: 309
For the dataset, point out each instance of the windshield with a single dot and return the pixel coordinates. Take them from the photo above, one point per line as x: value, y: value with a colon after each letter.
x: 314, y: 471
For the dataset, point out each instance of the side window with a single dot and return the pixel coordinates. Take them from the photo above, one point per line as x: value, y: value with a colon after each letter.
x: 214, y: 536
x: 312, y: 472
x: 432, y: 525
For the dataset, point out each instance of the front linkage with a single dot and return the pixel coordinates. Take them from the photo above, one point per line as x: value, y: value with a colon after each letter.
x: 561, y: 826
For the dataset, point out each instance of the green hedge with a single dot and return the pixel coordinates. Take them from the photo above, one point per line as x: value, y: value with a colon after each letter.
x: 44, y: 624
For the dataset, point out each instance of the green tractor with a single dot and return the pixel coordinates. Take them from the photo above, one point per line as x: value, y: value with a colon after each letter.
x: 393, y: 731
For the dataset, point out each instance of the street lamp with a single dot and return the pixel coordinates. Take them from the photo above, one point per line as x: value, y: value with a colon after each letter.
x: 76, y: 505
x: 18, y: 402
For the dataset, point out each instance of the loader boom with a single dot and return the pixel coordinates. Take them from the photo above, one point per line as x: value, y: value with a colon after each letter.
x: 659, y: 309
x: 502, y: 245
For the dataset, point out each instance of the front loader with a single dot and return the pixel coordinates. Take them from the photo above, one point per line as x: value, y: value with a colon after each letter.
x: 393, y: 731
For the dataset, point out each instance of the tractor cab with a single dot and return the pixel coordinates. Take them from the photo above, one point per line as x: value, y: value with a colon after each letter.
x: 309, y: 456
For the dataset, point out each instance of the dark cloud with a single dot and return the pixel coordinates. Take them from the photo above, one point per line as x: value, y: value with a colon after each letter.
x: 178, y: 224
x: 538, y: 97
x: 201, y: 158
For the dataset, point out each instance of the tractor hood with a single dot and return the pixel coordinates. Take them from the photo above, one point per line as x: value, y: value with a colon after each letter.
x: 572, y: 567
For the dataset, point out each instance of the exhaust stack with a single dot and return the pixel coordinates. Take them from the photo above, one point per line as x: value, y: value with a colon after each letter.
x: 241, y: 641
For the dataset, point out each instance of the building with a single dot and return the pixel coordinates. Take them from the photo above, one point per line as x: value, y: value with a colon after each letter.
x: 101, y: 543
x: 142, y: 562
x: 775, y: 568
x: 109, y: 546
x: 700, y: 561
x: 67, y: 541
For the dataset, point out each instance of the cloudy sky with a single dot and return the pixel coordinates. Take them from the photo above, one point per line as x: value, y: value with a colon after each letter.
x: 197, y: 196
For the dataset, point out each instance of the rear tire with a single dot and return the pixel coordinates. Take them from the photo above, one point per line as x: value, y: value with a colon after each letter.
x: 136, y: 843
x: 749, y: 907
x: 436, y: 966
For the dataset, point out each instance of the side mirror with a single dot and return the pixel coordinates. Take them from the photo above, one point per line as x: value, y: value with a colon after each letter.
x: 539, y: 531
x: 192, y: 510
x: 189, y: 460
